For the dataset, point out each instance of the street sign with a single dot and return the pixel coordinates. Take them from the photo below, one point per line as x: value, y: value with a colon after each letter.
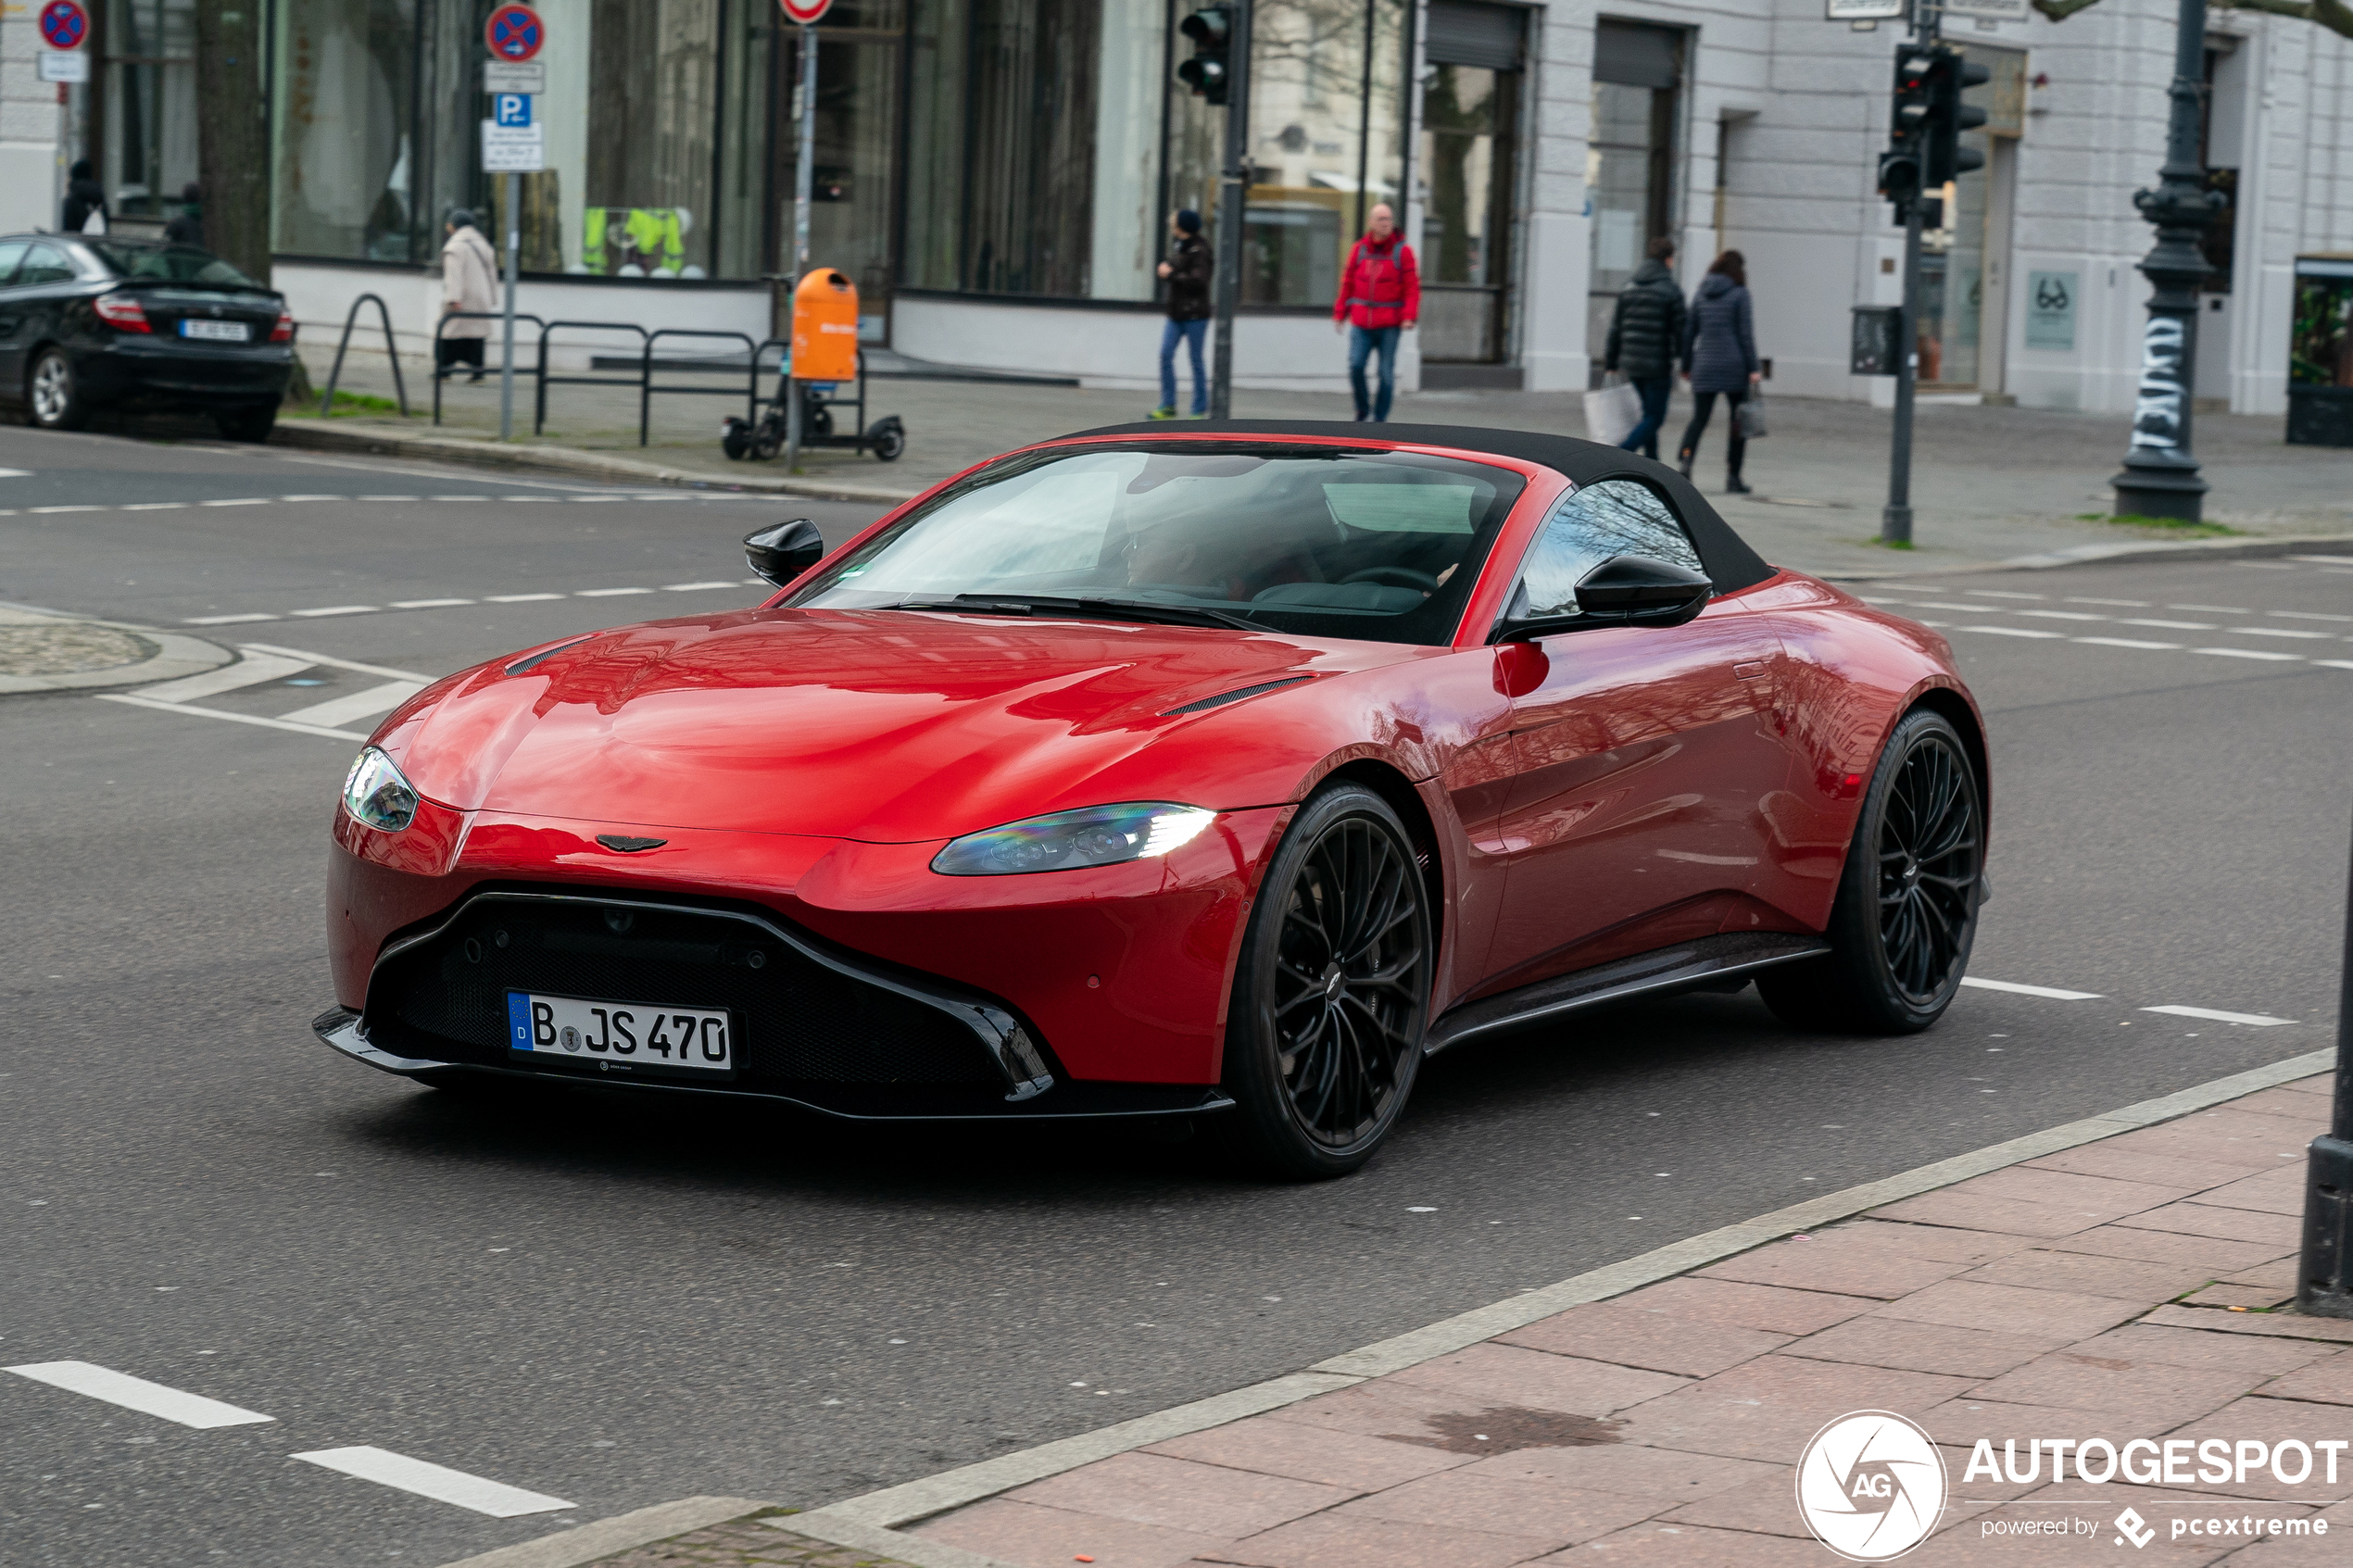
x: 1863, y: 11
x: 514, y: 33
x: 511, y: 109
x: 806, y: 12
x: 64, y: 24
x: 65, y: 65
x: 513, y: 149
x: 514, y: 76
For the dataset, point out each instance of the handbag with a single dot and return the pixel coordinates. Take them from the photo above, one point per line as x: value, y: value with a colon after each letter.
x: 1749, y: 418
x: 1612, y: 413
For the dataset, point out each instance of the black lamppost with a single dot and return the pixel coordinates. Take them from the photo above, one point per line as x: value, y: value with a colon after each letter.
x: 2160, y: 477
x: 2325, y: 1282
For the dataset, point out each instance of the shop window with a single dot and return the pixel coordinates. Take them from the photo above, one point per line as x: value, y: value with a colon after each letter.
x: 150, y: 105
x: 346, y: 153
x: 1631, y: 162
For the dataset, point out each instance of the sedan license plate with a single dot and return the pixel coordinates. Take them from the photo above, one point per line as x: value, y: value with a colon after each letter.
x: 637, y: 1036
x: 216, y: 331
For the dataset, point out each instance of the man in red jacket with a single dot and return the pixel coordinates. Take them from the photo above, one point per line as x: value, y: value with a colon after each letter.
x: 1380, y: 294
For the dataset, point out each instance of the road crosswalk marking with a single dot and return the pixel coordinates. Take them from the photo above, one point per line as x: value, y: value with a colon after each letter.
x: 260, y: 662
x: 435, y: 1481
x: 339, y: 711
x: 138, y: 1394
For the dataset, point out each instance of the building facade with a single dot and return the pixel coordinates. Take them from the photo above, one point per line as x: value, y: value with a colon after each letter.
x: 996, y: 175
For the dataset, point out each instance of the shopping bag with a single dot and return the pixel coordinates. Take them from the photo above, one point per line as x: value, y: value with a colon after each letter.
x: 1612, y: 413
x: 1749, y: 418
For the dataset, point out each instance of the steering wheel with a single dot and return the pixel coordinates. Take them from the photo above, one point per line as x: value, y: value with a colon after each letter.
x: 1395, y: 577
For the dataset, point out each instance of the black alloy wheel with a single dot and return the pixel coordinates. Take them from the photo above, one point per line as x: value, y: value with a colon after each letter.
x: 1906, y: 908
x: 1332, y: 993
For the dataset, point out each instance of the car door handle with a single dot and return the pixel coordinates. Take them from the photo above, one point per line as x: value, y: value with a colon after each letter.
x: 1750, y: 672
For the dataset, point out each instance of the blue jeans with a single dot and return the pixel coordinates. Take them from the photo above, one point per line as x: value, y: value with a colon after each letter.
x: 1362, y: 342
x: 1192, y: 334
x: 1654, y: 391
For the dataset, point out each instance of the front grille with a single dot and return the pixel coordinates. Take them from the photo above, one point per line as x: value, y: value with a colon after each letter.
x: 797, y: 1021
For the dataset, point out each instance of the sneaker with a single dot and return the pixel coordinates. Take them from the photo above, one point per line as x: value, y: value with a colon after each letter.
x: 1166, y: 411
x: 1732, y: 487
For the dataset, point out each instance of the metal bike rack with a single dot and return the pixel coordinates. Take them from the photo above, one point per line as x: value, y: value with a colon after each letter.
x: 547, y: 330
x: 646, y: 387
x: 392, y: 352
x: 441, y: 374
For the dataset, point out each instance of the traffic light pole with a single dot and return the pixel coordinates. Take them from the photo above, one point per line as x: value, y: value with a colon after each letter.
x: 803, y: 181
x: 1895, y: 523
x: 1233, y: 191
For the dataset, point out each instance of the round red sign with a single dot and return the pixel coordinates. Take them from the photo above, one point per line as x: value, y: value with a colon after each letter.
x: 806, y: 12
x: 514, y: 33
x: 64, y: 24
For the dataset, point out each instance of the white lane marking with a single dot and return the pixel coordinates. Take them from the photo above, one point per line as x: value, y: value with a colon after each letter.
x: 2013, y: 630
x: 2121, y: 604
x: 387, y: 498
x: 154, y: 506
x: 39, y: 510
x: 1978, y: 609
x: 313, y: 497
x: 591, y: 500
x: 427, y: 604
x: 248, y: 501
x: 608, y: 593
x: 460, y: 497
x: 692, y: 587
x: 2260, y: 1020
x: 333, y: 609
x: 2335, y: 663
x: 519, y: 500
x: 435, y: 1481
x: 250, y: 670
x: 2250, y: 653
x: 2051, y: 992
x: 341, y: 711
x: 137, y: 701
x: 2279, y: 632
x: 2214, y: 609
x: 2326, y: 560
x: 518, y: 598
x: 2063, y: 615
x: 223, y: 620
x: 2307, y: 615
x: 2125, y: 643
x: 2167, y: 625
x: 138, y: 1394
x: 15, y: 474
x: 2000, y: 593
x: 338, y: 664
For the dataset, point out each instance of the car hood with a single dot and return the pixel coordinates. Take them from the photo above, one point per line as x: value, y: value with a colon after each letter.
x: 888, y: 726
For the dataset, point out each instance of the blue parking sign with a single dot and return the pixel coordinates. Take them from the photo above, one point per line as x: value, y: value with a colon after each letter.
x: 512, y: 109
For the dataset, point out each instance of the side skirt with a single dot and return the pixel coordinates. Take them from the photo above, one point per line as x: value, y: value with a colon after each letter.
x: 1687, y: 966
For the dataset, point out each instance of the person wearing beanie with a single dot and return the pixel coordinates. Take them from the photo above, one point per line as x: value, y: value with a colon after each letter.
x: 1186, y: 273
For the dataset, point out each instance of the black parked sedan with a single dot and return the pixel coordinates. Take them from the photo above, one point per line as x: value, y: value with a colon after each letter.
x: 88, y: 322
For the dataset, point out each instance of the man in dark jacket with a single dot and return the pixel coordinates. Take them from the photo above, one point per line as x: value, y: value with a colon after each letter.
x: 187, y: 229
x: 1186, y: 273
x: 84, y: 196
x: 1646, y: 332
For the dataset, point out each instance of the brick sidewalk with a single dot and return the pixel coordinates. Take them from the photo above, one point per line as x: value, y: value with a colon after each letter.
x: 2126, y: 1289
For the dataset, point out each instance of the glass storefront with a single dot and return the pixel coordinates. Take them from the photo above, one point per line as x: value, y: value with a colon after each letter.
x: 1630, y: 163
x: 150, y: 105
x: 343, y: 111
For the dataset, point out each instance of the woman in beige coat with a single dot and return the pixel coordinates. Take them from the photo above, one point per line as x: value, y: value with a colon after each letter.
x: 469, y: 281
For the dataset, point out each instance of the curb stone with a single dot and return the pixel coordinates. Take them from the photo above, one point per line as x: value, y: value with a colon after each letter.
x: 176, y: 654
x: 583, y: 1545
x: 2121, y: 554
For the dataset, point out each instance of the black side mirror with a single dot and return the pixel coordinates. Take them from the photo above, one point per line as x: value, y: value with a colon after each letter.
x: 782, y: 551
x: 1639, y: 591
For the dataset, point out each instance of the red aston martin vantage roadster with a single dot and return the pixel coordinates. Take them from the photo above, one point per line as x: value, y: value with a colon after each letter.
x: 1224, y: 772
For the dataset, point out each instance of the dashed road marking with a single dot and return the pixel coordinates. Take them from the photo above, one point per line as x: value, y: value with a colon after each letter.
x: 138, y: 1394
x: 340, y: 710
x: 2053, y: 993
x: 2127, y: 642
x: 2252, y: 653
x: 413, y: 604
x: 2259, y: 1020
x: 2013, y: 631
x: 435, y: 1481
x: 711, y: 586
x: 335, y: 610
x: 2167, y: 625
x: 608, y: 593
x: 248, y: 501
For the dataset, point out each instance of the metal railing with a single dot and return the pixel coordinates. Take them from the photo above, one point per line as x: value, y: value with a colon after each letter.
x: 548, y: 330
x: 646, y: 387
x: 392, y: 352
x: 442, y: 374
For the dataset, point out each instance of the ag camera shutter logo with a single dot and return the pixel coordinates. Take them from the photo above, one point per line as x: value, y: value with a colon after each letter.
x: 1871, y: 1486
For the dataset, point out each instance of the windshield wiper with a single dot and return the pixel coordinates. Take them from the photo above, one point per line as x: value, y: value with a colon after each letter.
x: 1105, y: 609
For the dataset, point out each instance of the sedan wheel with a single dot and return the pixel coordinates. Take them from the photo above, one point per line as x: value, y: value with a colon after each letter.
x: 1333, y: 989
x: 57, y: 403
x: 1906, y: 914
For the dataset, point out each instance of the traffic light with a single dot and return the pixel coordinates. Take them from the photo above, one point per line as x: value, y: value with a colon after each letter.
x: 1903, y: 168
x: 1948, y: 117
x: 1210, y: 72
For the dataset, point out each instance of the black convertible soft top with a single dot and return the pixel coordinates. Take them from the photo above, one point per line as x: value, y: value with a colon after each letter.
x: 1725, y: 555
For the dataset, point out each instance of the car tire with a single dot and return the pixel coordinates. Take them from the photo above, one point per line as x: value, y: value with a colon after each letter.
x: 1324, y: 1038
x: 247, y: 424
x: 1906, y: 911
x: 53, y: 393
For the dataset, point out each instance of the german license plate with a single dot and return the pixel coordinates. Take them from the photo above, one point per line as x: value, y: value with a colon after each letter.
x: 637, y: 1036
x: 216, y: 331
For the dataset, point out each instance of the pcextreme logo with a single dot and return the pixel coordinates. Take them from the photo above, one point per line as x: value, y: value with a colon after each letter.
x: 1871, y: 1486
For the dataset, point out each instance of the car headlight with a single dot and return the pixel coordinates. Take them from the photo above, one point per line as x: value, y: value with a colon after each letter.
x: 374, y: 793
x: 1099, y: 836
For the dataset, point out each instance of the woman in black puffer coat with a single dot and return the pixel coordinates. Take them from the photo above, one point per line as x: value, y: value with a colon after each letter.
x: 1720, y: 357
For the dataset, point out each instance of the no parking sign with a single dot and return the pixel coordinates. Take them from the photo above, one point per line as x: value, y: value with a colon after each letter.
x: 514, y: 33
x: 807, y: 13
x: 64, y: 24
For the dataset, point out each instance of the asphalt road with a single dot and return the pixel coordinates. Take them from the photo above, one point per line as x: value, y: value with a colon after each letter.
x: 615, y: 1304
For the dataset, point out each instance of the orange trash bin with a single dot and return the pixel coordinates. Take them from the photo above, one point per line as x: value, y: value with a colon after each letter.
x: 825, y: 327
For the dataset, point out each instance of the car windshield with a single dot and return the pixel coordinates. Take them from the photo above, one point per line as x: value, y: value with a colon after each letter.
x: 1322, y: 541
x: 170, y: 264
